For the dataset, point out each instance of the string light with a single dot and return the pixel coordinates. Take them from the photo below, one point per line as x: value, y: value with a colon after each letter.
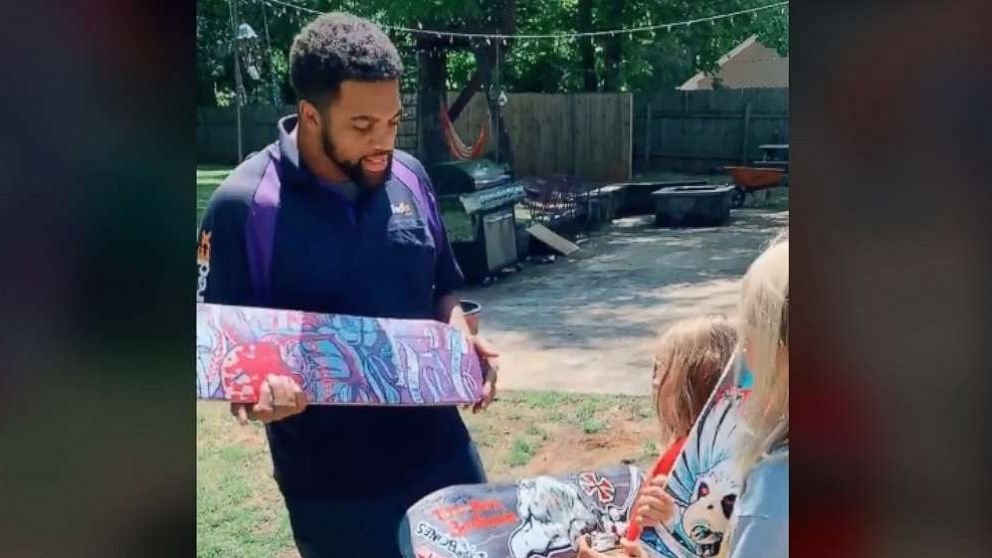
x: 782, y: 6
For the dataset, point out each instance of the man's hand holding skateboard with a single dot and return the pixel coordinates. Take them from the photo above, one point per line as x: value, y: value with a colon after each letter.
x: 489, y: 359
x: 280, y: 397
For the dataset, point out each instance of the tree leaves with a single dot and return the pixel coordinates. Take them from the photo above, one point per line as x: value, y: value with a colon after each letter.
x: 642, y: 61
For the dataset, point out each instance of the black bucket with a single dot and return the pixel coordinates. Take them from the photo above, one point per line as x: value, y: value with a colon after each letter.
x: 472, y: 311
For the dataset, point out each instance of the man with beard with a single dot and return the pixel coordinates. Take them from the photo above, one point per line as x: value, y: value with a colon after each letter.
x: 332, y: 218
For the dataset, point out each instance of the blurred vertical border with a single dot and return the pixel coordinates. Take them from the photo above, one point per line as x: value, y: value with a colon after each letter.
x: 97, y: 228
x: 891, y: 277
x: 891, y: 296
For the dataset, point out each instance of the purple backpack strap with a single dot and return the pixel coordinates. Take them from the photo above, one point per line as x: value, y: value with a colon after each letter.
x: 261, y: 232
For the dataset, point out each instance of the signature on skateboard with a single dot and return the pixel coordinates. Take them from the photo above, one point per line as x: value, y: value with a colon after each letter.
x: 533, y: 517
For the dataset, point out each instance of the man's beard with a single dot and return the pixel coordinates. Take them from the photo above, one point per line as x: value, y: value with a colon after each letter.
x: 354, y: 171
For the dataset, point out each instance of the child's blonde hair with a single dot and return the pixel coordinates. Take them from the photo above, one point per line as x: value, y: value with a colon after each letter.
x: 691, y: 354
x: 764, y: 332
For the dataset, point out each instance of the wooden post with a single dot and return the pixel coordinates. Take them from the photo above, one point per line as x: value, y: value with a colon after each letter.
x: 238, y: 87
x: 747, y: 129
x: 575, y: 164
x: 661, y: 135
x: 628, y: 114
x: 647, y: 137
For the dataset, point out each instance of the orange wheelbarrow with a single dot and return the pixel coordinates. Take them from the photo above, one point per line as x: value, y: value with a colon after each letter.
x: 749, y: 180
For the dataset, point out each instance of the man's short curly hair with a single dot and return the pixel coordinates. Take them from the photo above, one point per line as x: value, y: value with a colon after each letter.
x: 336, y: 47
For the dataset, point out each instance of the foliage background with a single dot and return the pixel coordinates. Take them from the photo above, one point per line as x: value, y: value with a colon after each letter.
x: 636, y: 62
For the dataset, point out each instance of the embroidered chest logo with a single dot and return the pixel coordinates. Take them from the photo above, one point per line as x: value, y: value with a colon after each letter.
x: 402, y: 209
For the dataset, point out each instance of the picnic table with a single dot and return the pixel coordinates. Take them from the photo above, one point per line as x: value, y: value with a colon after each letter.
x: 776, y: 155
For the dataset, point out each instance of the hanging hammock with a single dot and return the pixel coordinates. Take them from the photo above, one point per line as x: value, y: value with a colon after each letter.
x: 456, y: 146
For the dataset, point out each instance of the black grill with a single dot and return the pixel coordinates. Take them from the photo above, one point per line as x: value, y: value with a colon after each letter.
x: 460, y: 177
x: 486, y: 192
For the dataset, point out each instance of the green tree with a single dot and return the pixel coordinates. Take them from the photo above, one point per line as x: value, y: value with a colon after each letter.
x: 624, y: 62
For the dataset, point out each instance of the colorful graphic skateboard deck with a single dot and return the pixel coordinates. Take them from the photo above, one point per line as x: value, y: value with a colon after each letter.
x: 336, y: 359
x: 534, y: 517
x: 705, y: 480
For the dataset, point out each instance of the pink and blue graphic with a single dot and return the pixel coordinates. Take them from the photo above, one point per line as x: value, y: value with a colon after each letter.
x: 336, y: 359
x: 705, y: 481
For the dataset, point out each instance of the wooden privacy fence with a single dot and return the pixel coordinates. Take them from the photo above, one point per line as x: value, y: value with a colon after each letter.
x: 694, y: 131
x: 599, y: 137
x: 586, y: 135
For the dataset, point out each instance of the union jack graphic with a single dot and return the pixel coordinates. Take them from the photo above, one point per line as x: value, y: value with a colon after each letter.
x: 600, y: 487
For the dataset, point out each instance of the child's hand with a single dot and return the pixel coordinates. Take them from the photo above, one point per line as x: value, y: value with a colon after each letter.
x: 633, y: 548
x: 654, y: 505
x: 586, y: 551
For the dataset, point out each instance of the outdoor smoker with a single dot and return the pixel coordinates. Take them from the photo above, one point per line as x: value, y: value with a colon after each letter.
x: 477, y: 199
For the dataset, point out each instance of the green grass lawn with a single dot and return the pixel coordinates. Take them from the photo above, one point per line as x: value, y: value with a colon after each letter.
x: 241, y: 513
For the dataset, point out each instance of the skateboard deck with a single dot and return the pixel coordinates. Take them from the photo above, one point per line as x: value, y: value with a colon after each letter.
x: 534, y: 517
x: 705, y: 480
x: 336, y: 359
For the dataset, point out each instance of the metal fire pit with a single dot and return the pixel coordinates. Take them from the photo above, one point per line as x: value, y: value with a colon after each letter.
x: 692, y: 206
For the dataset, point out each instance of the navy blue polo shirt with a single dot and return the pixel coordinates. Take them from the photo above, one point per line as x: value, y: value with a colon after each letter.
x: 336, y: 248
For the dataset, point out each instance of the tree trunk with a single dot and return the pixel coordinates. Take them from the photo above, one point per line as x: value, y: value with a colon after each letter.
x: 587, y: 54
x: 613, y: 47
x: 430, y: 93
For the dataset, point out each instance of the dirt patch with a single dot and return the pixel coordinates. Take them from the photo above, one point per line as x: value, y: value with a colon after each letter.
x: 535, y: 433
x: 627, y: 441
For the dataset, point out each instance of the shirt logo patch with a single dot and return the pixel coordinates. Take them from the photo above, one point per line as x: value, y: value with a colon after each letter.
x: 203, y: 251
x: 402, y: 209
x: 202, y: 264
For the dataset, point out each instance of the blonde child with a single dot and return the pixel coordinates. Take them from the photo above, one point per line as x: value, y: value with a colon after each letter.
x: 760, y: 523
x: 688, y: 361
